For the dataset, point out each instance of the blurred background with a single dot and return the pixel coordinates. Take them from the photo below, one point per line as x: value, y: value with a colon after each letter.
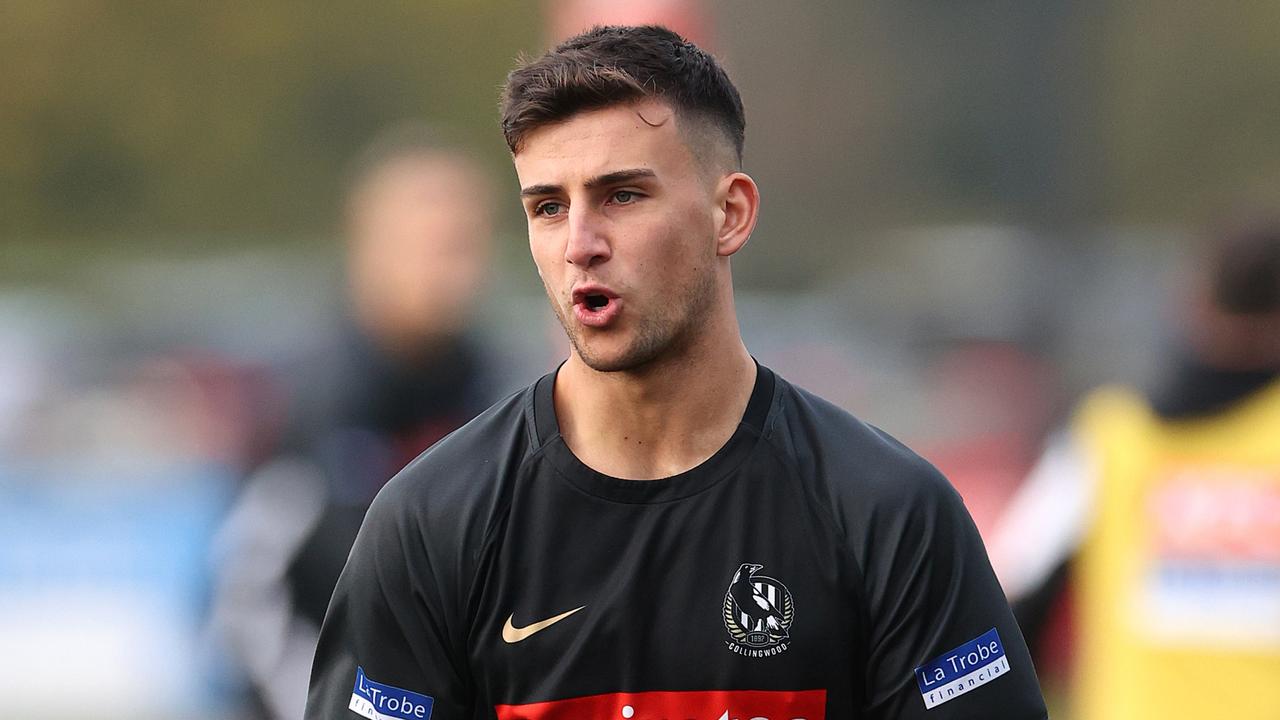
x: 255, y: 256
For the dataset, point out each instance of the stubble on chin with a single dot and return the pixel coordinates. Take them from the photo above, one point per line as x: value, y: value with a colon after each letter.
x: 656, y: 335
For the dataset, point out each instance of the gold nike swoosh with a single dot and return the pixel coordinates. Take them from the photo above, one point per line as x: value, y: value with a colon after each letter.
x: 513, y: 634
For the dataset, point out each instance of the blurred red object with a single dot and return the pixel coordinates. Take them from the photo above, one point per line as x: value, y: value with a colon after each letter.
x: 566, y: 18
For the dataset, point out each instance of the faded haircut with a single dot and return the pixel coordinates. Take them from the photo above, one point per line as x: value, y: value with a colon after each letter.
x: 615, y: 65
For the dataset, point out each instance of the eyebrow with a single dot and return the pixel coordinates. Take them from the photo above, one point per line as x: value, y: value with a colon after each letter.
x: 611, y: 178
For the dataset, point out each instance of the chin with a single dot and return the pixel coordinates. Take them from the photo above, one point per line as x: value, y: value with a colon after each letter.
x: 633, y: 356
x: 610, y: 362
x: 626, y: 348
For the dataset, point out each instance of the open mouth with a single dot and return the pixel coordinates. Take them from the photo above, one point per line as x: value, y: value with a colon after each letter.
x: 596, y: 306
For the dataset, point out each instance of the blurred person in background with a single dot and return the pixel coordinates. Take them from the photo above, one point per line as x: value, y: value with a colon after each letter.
x: 1169, y: 504
x: 404, y: 371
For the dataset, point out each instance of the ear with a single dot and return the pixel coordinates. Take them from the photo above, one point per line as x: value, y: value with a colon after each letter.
x: 738, y: 205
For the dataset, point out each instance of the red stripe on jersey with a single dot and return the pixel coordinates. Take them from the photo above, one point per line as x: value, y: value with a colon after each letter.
x: 681, y: 705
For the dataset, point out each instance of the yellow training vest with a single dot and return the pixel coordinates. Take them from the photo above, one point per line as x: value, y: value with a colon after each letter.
x: 1179, y: 575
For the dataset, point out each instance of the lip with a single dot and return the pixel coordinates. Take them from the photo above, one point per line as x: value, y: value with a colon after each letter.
x: 580, y: 292
x: 600, y: 317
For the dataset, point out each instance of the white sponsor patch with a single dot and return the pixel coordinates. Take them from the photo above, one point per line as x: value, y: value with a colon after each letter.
x: 962, y: 669
x: 385, y: 702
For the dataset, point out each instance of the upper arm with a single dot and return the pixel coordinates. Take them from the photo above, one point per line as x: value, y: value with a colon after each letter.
x: 1046, y: 519
x: 390, y: 621
x: 930, y: 592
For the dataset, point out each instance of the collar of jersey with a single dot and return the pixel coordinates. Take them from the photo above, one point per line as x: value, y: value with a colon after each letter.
x: 687, y: 483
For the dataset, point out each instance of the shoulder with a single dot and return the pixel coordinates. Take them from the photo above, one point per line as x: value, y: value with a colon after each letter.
x: 1112, y: 418
x: 456, y: 487
x: 862, y: 473
x: 1113, y: 401
x: 845, y: 451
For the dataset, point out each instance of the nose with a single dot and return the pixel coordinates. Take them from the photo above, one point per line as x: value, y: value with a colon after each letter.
x: 587, y: 244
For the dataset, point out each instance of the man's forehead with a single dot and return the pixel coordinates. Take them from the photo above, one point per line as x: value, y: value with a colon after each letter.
x: 622, y: 118
x: 642, y: 134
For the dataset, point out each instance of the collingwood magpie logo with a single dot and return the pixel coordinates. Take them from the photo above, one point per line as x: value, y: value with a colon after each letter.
x: 758, y: 611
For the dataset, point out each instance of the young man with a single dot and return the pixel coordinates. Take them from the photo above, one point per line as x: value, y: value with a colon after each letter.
x: 661, y: 528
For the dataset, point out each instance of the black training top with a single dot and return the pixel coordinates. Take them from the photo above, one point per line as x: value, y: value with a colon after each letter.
x: 812, y: 568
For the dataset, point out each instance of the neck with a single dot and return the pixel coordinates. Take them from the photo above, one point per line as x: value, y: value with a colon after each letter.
x: 659, y: 420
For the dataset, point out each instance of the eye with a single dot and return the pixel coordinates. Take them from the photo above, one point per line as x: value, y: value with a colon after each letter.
x: 550, y: 208
x: 623, y: 197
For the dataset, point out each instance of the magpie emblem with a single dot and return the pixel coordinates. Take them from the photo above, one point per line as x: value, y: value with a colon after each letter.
x: 758, y: 611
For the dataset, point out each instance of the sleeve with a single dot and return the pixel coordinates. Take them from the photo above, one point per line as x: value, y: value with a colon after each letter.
x: 942, y: 642
x: 1046, y: 519
x: 253, y: 609
x: 390, y: 645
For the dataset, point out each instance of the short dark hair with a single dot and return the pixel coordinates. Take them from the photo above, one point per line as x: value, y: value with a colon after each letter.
x: 617, y: 64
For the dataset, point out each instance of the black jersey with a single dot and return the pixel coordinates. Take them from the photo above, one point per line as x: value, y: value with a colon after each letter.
x: 812, y: 568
